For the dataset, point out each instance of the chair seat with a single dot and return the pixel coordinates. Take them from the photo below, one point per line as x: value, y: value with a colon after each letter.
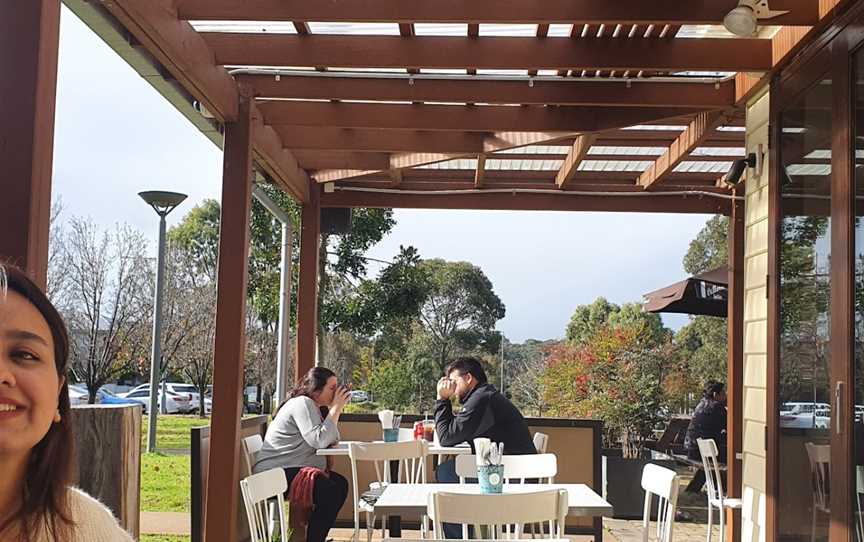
x: 728, y: 503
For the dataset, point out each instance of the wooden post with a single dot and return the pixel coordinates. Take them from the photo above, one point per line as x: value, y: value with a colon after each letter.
x: 223, y: 484
x: 735, y: 361
x: 307, y: 289
x: 29, y: 37
x: 108, y: 458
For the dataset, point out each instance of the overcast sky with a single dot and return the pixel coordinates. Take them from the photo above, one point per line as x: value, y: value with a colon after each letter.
x: 115, y: 136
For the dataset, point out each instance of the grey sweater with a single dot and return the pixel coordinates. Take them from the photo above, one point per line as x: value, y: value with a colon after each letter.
x: 294, y: 435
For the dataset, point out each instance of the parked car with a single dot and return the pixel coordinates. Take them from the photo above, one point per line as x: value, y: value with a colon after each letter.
x: 800, y: 415
x: 359, y: 396
x: 184, y: 395
x: 176, y: 403
x: 79, y: 395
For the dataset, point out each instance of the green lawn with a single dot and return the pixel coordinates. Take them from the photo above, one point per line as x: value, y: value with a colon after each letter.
x: 172, y: 430
x: 163, y: 538
x: 165, y: 483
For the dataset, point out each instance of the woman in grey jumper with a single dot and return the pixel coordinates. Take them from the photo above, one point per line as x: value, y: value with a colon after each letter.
x: 305, y: 423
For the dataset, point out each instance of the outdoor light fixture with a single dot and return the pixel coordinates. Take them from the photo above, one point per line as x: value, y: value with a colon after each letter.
x: 744, y: 20
x: 163, y: 203
x: 753, y: 160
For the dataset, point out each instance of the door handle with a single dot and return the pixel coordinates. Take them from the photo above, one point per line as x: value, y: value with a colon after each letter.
x: 838, y: 406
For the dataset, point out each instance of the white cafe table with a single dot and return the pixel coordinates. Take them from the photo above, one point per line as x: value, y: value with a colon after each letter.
x: 412, y: 499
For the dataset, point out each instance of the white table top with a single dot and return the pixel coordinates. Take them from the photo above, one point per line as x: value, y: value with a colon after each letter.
x: 342, y: 449
x: 412, y: 499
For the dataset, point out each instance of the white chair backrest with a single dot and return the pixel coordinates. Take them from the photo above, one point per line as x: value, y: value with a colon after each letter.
x: 257, y: 490
x: 710, y: 462
x: 819, y: 456
x: 541, y: 440
x: 500, y: 511
x: 250, y: 446
x: 661, y: 483
x: 411, y: 456
x: 516, y: 467
x: 752, y: 516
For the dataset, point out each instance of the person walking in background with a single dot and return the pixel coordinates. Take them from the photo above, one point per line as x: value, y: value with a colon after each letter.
x: 37, y: 501
x: 708, y: 421
x: 304, y: 424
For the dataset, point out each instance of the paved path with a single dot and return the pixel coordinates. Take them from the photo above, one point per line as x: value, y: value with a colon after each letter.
x: 165, y: 523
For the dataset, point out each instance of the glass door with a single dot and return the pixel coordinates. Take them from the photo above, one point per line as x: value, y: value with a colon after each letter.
x: 804, y: 387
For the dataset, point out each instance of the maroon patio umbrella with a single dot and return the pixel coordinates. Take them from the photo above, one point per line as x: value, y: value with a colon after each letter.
x: 704, y: 293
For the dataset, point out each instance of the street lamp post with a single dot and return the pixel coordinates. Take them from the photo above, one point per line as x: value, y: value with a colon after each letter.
x: 163, y: 203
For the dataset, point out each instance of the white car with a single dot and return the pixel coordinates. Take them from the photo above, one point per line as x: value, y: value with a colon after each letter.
x: 799, y: 415
x: 77, y: 395
x: 359, y: 396
x: 176, y: 403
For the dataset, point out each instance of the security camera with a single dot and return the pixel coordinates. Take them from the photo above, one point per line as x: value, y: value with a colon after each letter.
x: 738, y: 167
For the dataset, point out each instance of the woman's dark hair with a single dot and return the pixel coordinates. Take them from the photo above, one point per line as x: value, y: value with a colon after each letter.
x: 313, y: 381
x: 468, y: 365
x: 49, y: 470
x: 712, y: 387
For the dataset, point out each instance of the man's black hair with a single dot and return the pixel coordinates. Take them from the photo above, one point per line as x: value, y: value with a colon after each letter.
x: 468, y: 365
x: 712, y: 387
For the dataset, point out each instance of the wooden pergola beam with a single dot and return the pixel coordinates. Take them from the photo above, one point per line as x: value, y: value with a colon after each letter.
x: 578, y: 152
x: 314, y: 160
x: 542, y: 91
x: 476, y: 118
x: 307, y: 286
x: 492, y: 176
x: 350, y: 51
x: 29, y: 39
x: 692, y: 137
x: 279, y: 163
x: 558, y: 201
x: 185, y: 55
x: 802, y: 12
x: 480, y: 172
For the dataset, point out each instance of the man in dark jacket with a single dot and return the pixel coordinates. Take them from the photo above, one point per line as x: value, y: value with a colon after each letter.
x: 709, y: 421
x: 485, y: 413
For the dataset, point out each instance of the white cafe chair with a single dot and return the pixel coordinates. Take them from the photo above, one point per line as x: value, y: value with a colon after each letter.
x: 661, y: 483
x: 716, y: 497
x: 258, y: 490
x: 499, y: 512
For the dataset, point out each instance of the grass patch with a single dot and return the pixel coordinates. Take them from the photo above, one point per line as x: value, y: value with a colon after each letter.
x: 165, y: 482
x: 163, y: 538
x: 172, y: 430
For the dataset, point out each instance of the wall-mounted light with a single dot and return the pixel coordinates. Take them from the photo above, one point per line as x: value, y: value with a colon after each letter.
x: 743, y: 20
x: 754, y: 160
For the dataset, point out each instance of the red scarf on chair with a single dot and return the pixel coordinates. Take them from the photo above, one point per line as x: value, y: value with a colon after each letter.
x: 300, y: 495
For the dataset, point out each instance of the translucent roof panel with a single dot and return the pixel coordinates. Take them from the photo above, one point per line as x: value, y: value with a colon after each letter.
x: 809, y: 169
x: 511, y: 73
x: 251, y: 27
x: 639, y: 151
x: 703, y: 167
x: 460, y: 163
x: 444, y: 71
x: 368, y: 70
x: 615, y: 165
x: 524, y: 165
x: 538, y: 149
x: 357, y: 29
x: 658, y: 127
x: 718, y: 151
x: 731, y: 129
x: 547, y: 72
x: 518, y: 30
x: 559, y: 30
x: 441, y: 29
x: 704, y: 31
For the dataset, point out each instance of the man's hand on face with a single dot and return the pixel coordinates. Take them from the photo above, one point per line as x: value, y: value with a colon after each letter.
x: 446, y: 388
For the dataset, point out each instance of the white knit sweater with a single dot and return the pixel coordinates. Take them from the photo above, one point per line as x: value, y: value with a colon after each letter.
x: 93, y: 521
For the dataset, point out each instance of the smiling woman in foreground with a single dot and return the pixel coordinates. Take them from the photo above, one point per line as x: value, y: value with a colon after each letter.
x: 37, y: 502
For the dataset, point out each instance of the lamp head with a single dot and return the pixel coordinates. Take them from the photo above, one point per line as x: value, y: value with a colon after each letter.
x: 161, y: 201
x: 741, y: 21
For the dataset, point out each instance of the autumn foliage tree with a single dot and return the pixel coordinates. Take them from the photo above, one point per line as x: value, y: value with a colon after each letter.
x: 616, y: 376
